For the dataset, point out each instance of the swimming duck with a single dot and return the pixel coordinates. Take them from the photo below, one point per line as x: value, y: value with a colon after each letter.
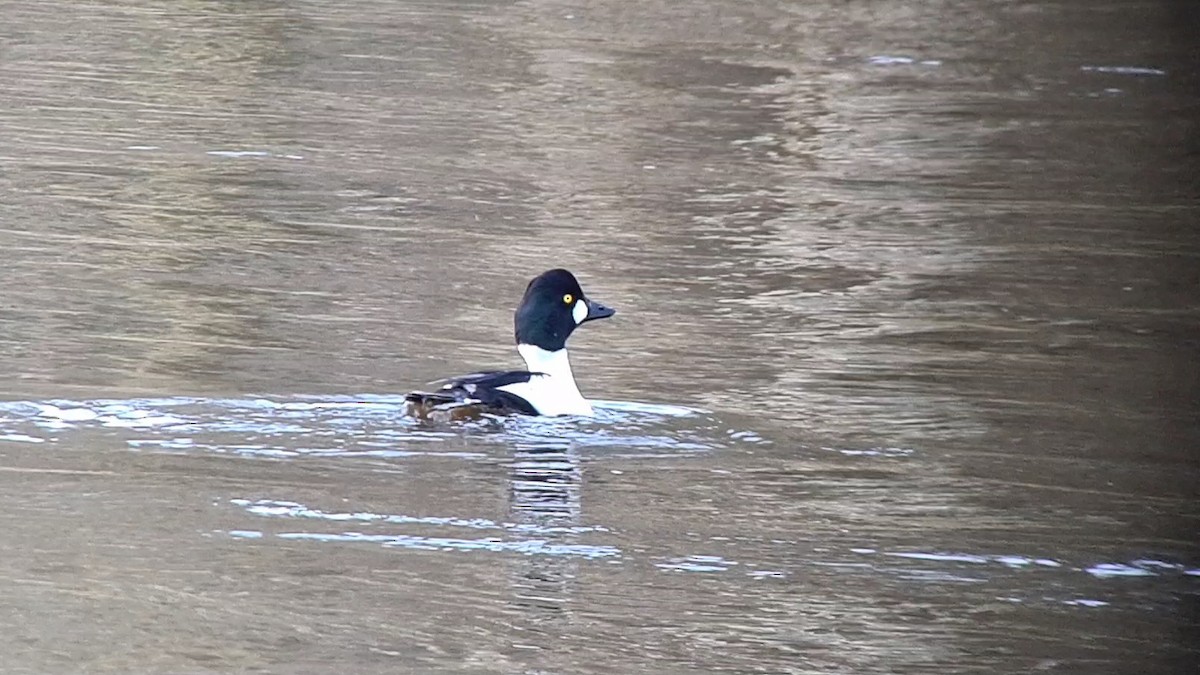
x: 552, y: 307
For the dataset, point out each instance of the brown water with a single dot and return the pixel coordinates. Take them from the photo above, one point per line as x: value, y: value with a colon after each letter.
x: 903, y: 377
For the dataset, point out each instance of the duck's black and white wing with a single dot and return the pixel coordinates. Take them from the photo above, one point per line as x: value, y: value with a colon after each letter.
x: 478, y: 392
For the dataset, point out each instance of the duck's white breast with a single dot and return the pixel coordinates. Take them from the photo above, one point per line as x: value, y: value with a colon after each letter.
x: 553, y: 391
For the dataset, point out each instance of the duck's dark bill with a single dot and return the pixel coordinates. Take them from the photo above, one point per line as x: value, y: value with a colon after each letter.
x: 597, y: 311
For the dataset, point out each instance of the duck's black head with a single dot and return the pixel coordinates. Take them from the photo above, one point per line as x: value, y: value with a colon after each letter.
x: 553, y: 306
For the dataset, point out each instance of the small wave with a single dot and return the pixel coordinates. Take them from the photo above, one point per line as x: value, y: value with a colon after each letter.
x: 1141, y: 567
x: 889, y: 60
x: 697, y: 563
x: 286, y: 509
x: 371, y: 426
x: 872, y: 452
x: 1124, y: 70
x: 525, y: 547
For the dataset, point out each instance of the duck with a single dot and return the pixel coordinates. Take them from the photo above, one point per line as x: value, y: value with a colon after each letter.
x: 553, y: 306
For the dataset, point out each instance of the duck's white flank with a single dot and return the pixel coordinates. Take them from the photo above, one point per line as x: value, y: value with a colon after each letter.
x: 555, y: 392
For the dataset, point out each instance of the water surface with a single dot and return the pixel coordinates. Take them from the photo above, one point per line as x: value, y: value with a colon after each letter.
x: 903, y: 377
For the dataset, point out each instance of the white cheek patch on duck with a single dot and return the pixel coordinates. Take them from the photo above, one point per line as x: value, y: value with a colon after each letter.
x: 580, y: 311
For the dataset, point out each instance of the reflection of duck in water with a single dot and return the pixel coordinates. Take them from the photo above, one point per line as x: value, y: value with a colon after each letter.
x: 544, y: 482
x: 553, y: 306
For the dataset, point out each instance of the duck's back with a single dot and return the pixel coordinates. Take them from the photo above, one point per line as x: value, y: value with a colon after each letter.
x: 474, y: 393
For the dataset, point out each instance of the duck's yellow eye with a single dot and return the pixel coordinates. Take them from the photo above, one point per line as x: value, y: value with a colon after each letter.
x: 568, y: 298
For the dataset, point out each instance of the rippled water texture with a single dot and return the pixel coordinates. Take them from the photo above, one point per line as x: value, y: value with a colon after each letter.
x: 903, y: 377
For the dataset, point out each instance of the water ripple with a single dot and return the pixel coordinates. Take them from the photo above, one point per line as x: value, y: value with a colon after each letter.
x: 285, y: 509
x: 525, y: 547
x: 373, y: 426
